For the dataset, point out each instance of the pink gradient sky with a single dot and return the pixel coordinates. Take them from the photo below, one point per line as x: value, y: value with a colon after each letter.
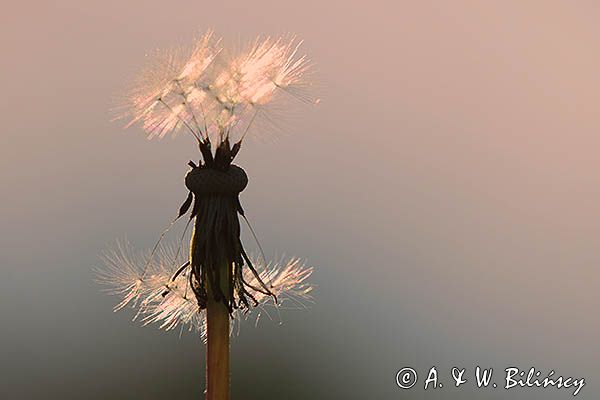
x: 449, y: 179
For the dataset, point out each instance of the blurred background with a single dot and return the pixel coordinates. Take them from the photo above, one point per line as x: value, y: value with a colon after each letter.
x: 446, y: 189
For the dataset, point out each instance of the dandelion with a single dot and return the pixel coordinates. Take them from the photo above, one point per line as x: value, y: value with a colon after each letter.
x: 215, y: 95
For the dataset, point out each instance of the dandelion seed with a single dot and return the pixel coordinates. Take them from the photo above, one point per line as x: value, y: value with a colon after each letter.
x: 166, y: 300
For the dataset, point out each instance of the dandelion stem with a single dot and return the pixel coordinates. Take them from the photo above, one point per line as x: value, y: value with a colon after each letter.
x: 217, y: 350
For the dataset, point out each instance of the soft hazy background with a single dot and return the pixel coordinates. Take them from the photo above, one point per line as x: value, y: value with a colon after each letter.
x: 447, y: 189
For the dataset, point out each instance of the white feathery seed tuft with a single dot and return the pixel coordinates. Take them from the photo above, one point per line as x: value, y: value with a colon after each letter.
x: 214, y: 93
x: 148, y: 286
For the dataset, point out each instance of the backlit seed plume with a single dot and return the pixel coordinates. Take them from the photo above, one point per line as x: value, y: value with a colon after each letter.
x: 161, y: 293
x: 216, y: 93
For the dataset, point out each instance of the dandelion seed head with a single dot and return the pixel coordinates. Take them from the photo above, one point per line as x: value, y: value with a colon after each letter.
x: 214, y: 92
